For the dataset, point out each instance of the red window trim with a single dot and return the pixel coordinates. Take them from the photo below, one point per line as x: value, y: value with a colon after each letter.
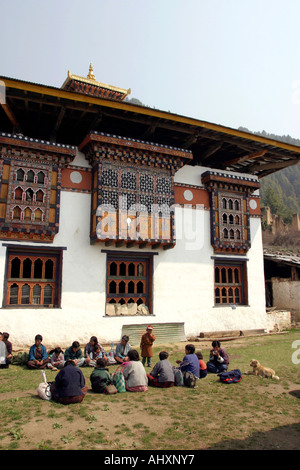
x: 33, y: 254
x: 230, y: 282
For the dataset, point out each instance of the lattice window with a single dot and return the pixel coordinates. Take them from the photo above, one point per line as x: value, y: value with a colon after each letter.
x: 128, y: 201
x: 128, y: 280
x: 41, y: 177
x: 145, y: 197
x: 20, y: 174
x: 231, y: 218
x: 147, y: 202
x: 18, y: 194
x: 163, y: 185
x: 29, y: 187
x: 30, y: 176
x: 146, y: 182
x: 32, y: 278
x: 128, y: 180
x: 110, y: 199
x: 110, y: 177
x: 16, y: 213
x: 229, y: 209
x: 230, y: 283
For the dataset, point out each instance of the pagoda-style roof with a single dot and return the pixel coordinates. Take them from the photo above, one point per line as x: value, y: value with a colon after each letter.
x: 90, y: 86
x: 67, y: 116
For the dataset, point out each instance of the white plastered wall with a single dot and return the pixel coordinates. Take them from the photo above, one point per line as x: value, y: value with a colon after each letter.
x: 183, y: 280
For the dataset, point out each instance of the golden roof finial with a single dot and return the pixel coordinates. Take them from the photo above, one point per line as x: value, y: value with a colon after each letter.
x: 91, y: 73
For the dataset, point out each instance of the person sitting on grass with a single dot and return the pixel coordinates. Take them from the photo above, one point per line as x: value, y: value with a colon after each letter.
x: 100, y: 377
x: 38, y: 357
x: 203, y: 368
x: 8, y: 350
x: 57, y: 359
x: 218, y: 358
x: 190, y: 362
x: 122, y: 350
x: 92, y: 351
x: 97, y: 353
x: 3, y: 352
x: 162, y: 374
x: 74, y: 353
x: 134, y: 372
x: 69, y: 386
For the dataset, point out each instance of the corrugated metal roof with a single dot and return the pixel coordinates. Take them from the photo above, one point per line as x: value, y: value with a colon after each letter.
x: 283, y: 258
x: 164, y: 332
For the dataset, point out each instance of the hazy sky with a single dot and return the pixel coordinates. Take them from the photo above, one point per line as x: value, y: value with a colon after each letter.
x: 229, y: 62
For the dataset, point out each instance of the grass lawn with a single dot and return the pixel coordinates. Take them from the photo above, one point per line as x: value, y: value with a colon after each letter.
x: 255, y: 413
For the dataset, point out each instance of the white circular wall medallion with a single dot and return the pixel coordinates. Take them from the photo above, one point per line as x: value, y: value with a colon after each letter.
x: 188, y: 195
x: 253, y: 204
x: 76, y: 177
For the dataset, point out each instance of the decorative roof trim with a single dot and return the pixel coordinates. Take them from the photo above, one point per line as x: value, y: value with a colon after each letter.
x: 30, y: 142
x: 230, y: 176
x: 94, y: 82
x: 21, y: 137
x: 153, y: 146
x: 144, y: 110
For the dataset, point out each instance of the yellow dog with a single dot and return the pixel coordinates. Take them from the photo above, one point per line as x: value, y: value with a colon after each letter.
x: 261, y: 371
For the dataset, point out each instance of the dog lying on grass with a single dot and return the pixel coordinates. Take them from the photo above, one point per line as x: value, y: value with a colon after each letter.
x: 261, y: 371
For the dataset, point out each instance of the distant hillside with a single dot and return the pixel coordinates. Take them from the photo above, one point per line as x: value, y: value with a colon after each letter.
x: 281, y: 190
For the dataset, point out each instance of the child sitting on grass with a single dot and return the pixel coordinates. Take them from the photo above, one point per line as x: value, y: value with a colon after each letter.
x: 162, y: 374
x: 100, y: 377
x: 203, y: 368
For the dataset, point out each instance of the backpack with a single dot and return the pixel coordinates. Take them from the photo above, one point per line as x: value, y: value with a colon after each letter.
x: 178, y: 377
x: 230, y: 377
x: 189, y: 379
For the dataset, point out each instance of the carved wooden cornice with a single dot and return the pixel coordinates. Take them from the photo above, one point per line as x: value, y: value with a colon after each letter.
x: 18, y: 146
x: 98, y: 146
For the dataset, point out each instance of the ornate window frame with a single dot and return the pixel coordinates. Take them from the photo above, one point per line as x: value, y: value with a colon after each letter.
x: 33, y: 277
x: 132, y: 190
x: 30, y: 186
x: 230, y: 282
x: 30, y: 200
x: 129, y: 283
x: 229, y: 209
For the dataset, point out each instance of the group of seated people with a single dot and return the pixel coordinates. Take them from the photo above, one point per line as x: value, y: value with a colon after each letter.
x: 70, y: 385
x: 5, y: 351
x: 38, y: 357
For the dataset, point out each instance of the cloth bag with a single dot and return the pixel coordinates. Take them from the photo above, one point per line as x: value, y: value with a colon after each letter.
x: 43, y: 389
x: 119, y: 380
x: 111, y: 389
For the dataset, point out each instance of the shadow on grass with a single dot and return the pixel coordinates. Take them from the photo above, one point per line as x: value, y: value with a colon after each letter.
x: 280, y: 438
x: 295, y: 393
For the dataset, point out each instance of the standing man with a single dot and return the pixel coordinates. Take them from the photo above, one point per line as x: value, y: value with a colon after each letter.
x: 147, y: 341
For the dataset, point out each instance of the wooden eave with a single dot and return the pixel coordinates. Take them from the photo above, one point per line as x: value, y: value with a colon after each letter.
x: 54, y: 114
x: 93, y: 82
